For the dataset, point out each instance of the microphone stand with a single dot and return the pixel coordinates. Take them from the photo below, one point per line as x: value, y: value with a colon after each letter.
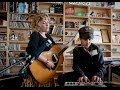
x: 25, y: 67
x: 8, y: 67
x: 6, y: 81
x: 19, y: 75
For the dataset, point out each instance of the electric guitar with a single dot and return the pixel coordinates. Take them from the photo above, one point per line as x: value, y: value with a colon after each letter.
x: 40, y: 72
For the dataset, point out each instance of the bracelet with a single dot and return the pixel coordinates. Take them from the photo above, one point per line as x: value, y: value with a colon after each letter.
x: 47, y: 62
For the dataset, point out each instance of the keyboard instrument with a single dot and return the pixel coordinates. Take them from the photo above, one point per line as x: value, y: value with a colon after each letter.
x: 92, y: 84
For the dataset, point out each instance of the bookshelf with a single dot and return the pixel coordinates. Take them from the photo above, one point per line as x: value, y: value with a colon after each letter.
x: 75, y: 16
x: 100, y: 20
x: 3, y: 34
x: 55, y: 11
x: 19, y: 31
x: 115, y: 51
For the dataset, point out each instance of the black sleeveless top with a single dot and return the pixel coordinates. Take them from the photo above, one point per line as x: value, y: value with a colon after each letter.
x: 37, y: 44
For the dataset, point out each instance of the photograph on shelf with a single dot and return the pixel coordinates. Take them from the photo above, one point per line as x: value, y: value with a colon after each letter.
x: 53, y: 20
x: 97, y: 37
x: 69, y: 11
x: 116, y: 38
x: 69, y: 24
x: 105, y: 36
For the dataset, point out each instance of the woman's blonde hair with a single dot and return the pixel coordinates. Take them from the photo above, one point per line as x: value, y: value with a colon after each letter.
x: 37, y: 18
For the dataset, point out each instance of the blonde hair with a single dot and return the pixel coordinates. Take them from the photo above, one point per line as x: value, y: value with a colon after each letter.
x: 37, y: 18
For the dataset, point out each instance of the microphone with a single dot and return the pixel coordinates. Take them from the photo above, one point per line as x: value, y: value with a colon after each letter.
x: 26, y: 56
x: 30, y: 59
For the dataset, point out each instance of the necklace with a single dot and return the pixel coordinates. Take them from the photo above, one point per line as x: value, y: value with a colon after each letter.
x: 43, y: 34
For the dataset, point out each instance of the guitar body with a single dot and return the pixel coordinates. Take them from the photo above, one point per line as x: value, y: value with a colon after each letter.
x: 40, y: 72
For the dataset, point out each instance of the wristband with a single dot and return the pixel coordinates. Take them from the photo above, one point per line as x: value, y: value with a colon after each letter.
x: 47, y: 62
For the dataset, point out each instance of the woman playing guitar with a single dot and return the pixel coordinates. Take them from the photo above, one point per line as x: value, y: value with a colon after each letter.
x: 41, y: 46
x: 40, y: 40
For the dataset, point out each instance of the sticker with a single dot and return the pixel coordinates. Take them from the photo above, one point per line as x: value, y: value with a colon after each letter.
x: 94, y: 52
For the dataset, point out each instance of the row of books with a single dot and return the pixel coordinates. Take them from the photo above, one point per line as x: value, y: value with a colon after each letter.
x: 21, y: 25
x: 23, y: 7
x: 3, y: 36
x: 14, y: 47
x: 2, y: 54
x: 18, y: 17
x: 2, y: 57
x: 56, y: 30
x: 2, y: 46
x: 3, y: 6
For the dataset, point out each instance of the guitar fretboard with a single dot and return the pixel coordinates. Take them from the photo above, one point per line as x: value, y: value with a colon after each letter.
x: 62, y: 50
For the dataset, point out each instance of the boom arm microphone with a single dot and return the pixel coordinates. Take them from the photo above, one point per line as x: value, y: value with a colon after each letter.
x: 10, y: 66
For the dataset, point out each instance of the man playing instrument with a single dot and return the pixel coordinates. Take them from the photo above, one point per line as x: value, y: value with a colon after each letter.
x: 88, y: 63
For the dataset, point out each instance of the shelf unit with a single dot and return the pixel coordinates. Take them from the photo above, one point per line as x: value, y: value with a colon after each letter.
x: 115, y: 51
x: 55, y: 11
x: 73, y: 20
x: 3, y: 34
x: 101, y: 20
x: 20, y: 30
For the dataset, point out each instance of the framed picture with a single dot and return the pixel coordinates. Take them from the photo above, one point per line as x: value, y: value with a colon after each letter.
x: 105, y: 37
x: 97, y: 37
x: 53, y: 20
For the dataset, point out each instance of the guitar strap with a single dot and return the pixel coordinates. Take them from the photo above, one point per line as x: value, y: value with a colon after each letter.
x: 44, y: 44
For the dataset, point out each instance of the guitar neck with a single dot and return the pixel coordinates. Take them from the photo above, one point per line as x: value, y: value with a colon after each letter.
x: 62, y: 50
x: 67, y: 45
